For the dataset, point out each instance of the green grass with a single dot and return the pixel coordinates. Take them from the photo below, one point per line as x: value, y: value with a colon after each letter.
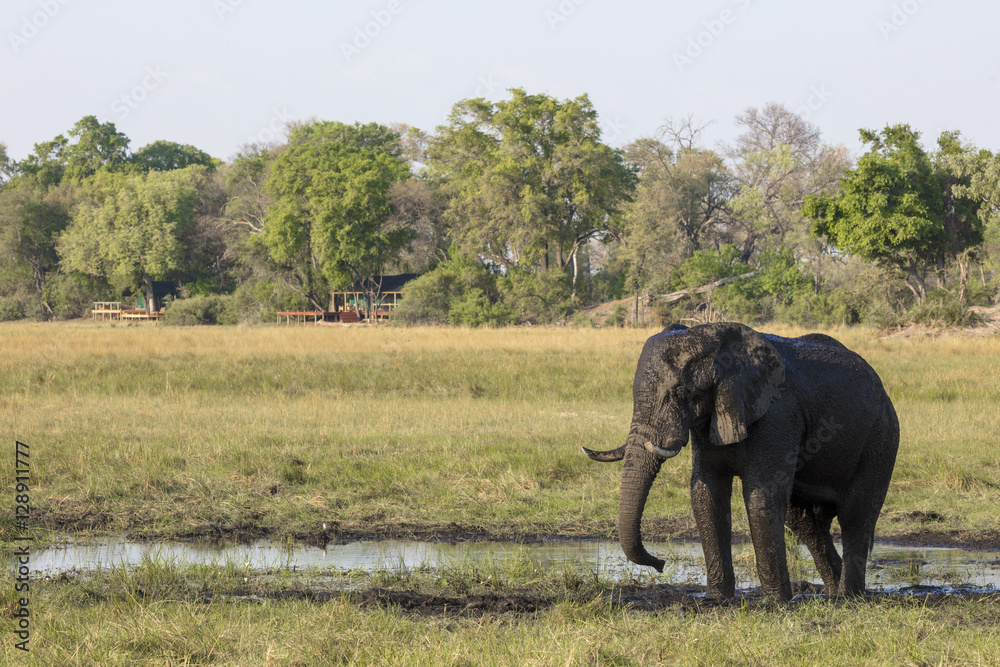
x: 170, y: 432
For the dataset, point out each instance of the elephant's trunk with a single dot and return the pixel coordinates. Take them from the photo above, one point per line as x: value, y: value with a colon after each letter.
x: 641, y: 467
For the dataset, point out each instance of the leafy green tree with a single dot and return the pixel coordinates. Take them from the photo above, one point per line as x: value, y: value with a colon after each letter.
x: 168, y: 155
x: 980, y: 171
x: 331, y: 213
x: 130, y: 228
x: 31, y: 217
x: 528, y: 179
x: 896, y: 207
x: 979, y: 181
x: 97, y: 146
x: 47, y: 163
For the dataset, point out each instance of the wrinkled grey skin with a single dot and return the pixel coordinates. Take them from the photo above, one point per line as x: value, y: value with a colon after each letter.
x: 804, y: 423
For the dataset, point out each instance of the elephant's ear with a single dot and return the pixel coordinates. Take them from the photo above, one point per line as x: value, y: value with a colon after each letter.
x: 750, y: 374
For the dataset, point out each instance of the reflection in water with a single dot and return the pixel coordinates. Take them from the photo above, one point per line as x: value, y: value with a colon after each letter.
x: 891, y: 566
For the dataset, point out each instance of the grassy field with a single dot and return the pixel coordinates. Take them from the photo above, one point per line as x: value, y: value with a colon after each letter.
x: 208, y: 431
x: 167, y: 432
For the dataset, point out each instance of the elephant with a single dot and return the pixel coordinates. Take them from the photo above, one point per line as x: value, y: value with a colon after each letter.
x: 804, y: 422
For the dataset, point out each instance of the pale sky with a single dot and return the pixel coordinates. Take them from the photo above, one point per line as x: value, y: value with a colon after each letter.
x: 218, y: 73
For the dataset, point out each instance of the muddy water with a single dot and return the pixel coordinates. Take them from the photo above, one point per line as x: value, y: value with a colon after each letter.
x: 892, y: 567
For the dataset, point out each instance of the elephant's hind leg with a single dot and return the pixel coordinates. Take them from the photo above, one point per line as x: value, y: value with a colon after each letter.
x: 811, y: 527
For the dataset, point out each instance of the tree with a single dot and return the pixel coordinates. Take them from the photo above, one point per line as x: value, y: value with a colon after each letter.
x: 896, y: 208
x: 678, y: 208
x: 47, y: 163
x: 97, y: 146
x: 130, y: 228
x: 31, y: 217
x: 978, y: 174
x: 168, y: 155
x: 6, y: 164
x: 528, y: 179
x: 330, y: 219
x: 777, y: 161
x: 417, y: 205
x: 246, y: 177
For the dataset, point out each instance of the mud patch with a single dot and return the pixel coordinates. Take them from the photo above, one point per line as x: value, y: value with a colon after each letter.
x: 438, y: 605
x: 648, y: 599
x: 985, y: 540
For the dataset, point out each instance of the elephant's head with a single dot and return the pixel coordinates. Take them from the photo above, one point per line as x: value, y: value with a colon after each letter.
x: 716, y: 378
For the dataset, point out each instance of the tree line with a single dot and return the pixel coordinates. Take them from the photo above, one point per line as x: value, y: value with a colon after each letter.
x: 512, y: 211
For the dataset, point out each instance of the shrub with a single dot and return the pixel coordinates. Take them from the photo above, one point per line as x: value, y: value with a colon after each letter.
x: 429, y: 298
x: 210, y: 309
x: 540, y: 297
x: 473, y: 309
x: 941, y: 307
x: 458, y: 291
x: 581, y: 320
x: 618, y: 316
x: 73, y: 295
x: 779, y: 284
x: 11, y: 309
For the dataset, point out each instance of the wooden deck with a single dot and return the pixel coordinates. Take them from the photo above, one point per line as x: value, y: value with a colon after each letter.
x: 303, y: 316
x: 315, y: 316
x: 112, y: 311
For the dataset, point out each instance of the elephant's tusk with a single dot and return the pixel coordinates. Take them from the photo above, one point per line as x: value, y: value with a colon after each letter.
x: 606, y: 457
x: 662, y: 453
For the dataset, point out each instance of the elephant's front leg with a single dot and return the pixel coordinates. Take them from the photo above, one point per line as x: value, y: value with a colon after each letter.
x: 711, y: 494
x: 766, y: 508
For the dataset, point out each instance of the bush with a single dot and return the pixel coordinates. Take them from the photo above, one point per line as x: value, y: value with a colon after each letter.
x: 473, y: 309
x: 211, y: 309
x: 458, y: 291
x: 761, y: 298
x: 73, y: 295
x: 11, y: 309
x: 941, y: 307
x: 618, y: 316
x: 978, y: 294
x: 841, y: 306
x: 430, y: 297
x: 539, y: 297
x: 581, y: 320
x: 706, y: 266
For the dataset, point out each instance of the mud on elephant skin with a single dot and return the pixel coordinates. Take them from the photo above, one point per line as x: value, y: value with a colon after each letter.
x: 804, y: 423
